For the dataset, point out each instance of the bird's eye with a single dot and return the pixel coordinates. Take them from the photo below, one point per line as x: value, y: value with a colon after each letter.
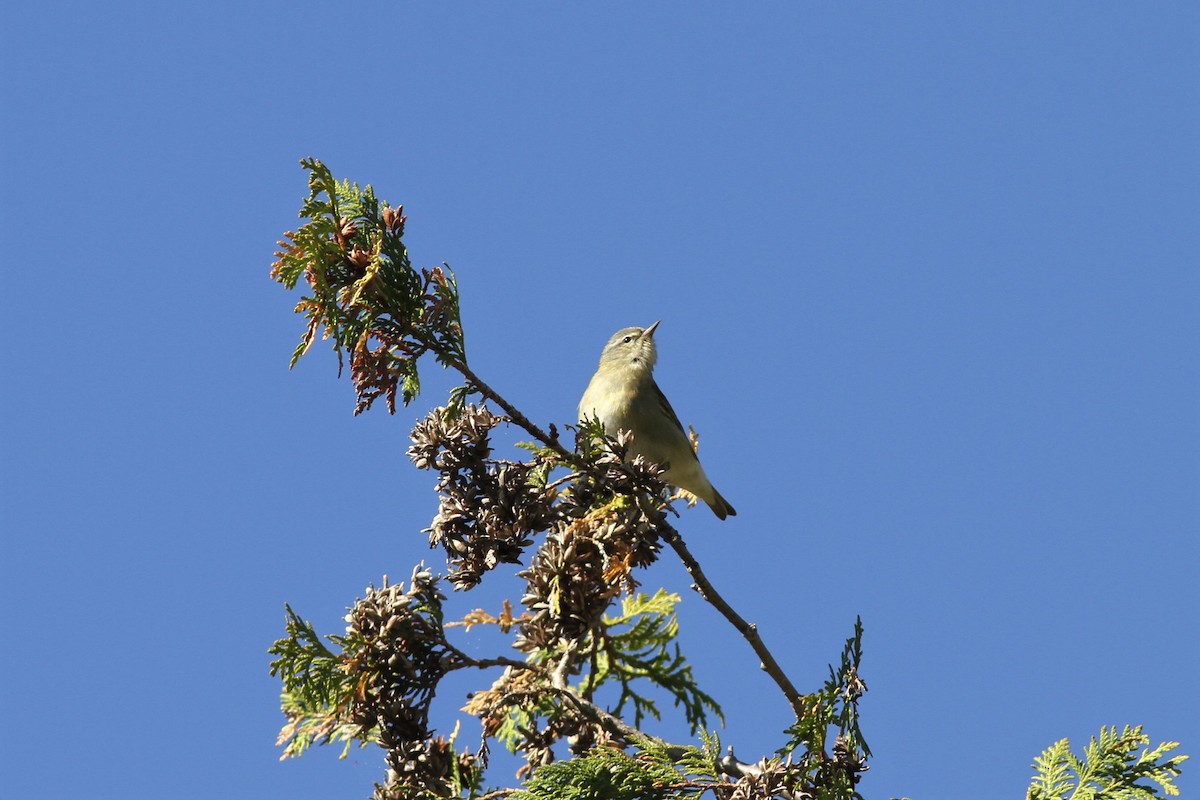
x: 627, y: 339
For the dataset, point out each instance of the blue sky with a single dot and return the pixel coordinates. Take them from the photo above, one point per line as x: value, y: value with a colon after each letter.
x: 928, y: 275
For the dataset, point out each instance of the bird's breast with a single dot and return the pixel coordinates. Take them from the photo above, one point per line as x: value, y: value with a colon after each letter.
x: 610, y: 399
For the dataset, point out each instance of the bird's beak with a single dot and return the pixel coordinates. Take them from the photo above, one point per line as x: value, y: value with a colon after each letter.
x: 649, y: 332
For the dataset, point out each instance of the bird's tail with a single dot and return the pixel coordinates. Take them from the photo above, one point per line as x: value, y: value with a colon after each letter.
x: 720, y: 506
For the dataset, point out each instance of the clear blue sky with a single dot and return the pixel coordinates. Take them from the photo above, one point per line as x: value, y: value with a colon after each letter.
x: 928, y: 276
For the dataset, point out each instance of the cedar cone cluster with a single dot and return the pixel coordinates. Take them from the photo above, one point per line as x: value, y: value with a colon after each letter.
x: 488, y: 510
x: 774, y: 778
x: 606, y: 524
x: 417, y: 770
x: 599, y: 530
x: 523, y: 689
x: 400, y: 655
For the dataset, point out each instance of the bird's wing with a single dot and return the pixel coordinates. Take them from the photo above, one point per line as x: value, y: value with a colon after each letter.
x: 665, y: 405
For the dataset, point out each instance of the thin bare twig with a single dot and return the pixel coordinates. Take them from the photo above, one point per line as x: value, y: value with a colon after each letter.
x: 559, y: 676
x: 748, y: 630
x: 496, y: 795
x: 516, y: 416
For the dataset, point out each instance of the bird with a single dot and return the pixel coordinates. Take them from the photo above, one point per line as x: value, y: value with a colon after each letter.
x: 624, y: 396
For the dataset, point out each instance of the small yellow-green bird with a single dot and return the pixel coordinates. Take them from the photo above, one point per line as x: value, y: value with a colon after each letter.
x: 623, y: 396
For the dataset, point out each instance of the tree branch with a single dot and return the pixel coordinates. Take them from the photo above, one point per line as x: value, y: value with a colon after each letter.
x: 516, y: 416
x: 748, y: 630
x: 499, y: 793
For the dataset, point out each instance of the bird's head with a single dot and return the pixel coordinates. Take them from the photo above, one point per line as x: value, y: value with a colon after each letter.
x: 631, y: 348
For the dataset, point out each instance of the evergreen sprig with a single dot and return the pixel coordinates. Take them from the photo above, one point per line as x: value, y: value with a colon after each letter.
x: 308, y: 726
x: 310, y: 671
x: 833, y: 710
x: 651, y: 772
x: 316, y: 689
x: 640, y: 644
x: 365, y: 293
x: 1111, y: 768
